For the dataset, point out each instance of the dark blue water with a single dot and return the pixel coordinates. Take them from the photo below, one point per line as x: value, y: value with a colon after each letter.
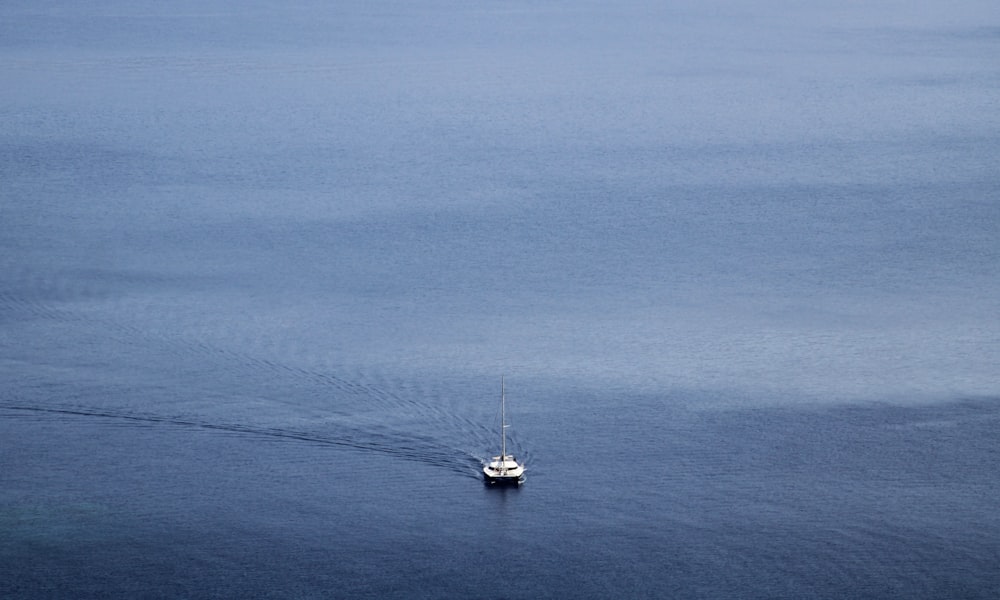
x: 262, y: 267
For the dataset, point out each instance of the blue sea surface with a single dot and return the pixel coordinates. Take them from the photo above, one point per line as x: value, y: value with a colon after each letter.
x: 262, y: 267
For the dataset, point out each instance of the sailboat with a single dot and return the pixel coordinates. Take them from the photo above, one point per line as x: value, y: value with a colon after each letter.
x: 503, y: 469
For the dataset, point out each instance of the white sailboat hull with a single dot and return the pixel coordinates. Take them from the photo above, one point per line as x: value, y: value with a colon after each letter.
x: 506, y: 471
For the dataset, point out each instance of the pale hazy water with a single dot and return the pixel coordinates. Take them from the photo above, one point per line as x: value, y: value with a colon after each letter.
x: 261, y: 270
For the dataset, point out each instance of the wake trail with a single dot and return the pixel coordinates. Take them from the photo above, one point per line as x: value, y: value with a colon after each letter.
x: 423, y: 449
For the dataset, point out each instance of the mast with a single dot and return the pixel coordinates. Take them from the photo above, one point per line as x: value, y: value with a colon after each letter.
x: 503, y: 427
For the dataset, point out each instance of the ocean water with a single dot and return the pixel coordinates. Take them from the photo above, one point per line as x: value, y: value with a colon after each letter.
x: 263, y: 266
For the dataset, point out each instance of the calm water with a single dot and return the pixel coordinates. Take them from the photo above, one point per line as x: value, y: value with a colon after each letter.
x: 261, y: 270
